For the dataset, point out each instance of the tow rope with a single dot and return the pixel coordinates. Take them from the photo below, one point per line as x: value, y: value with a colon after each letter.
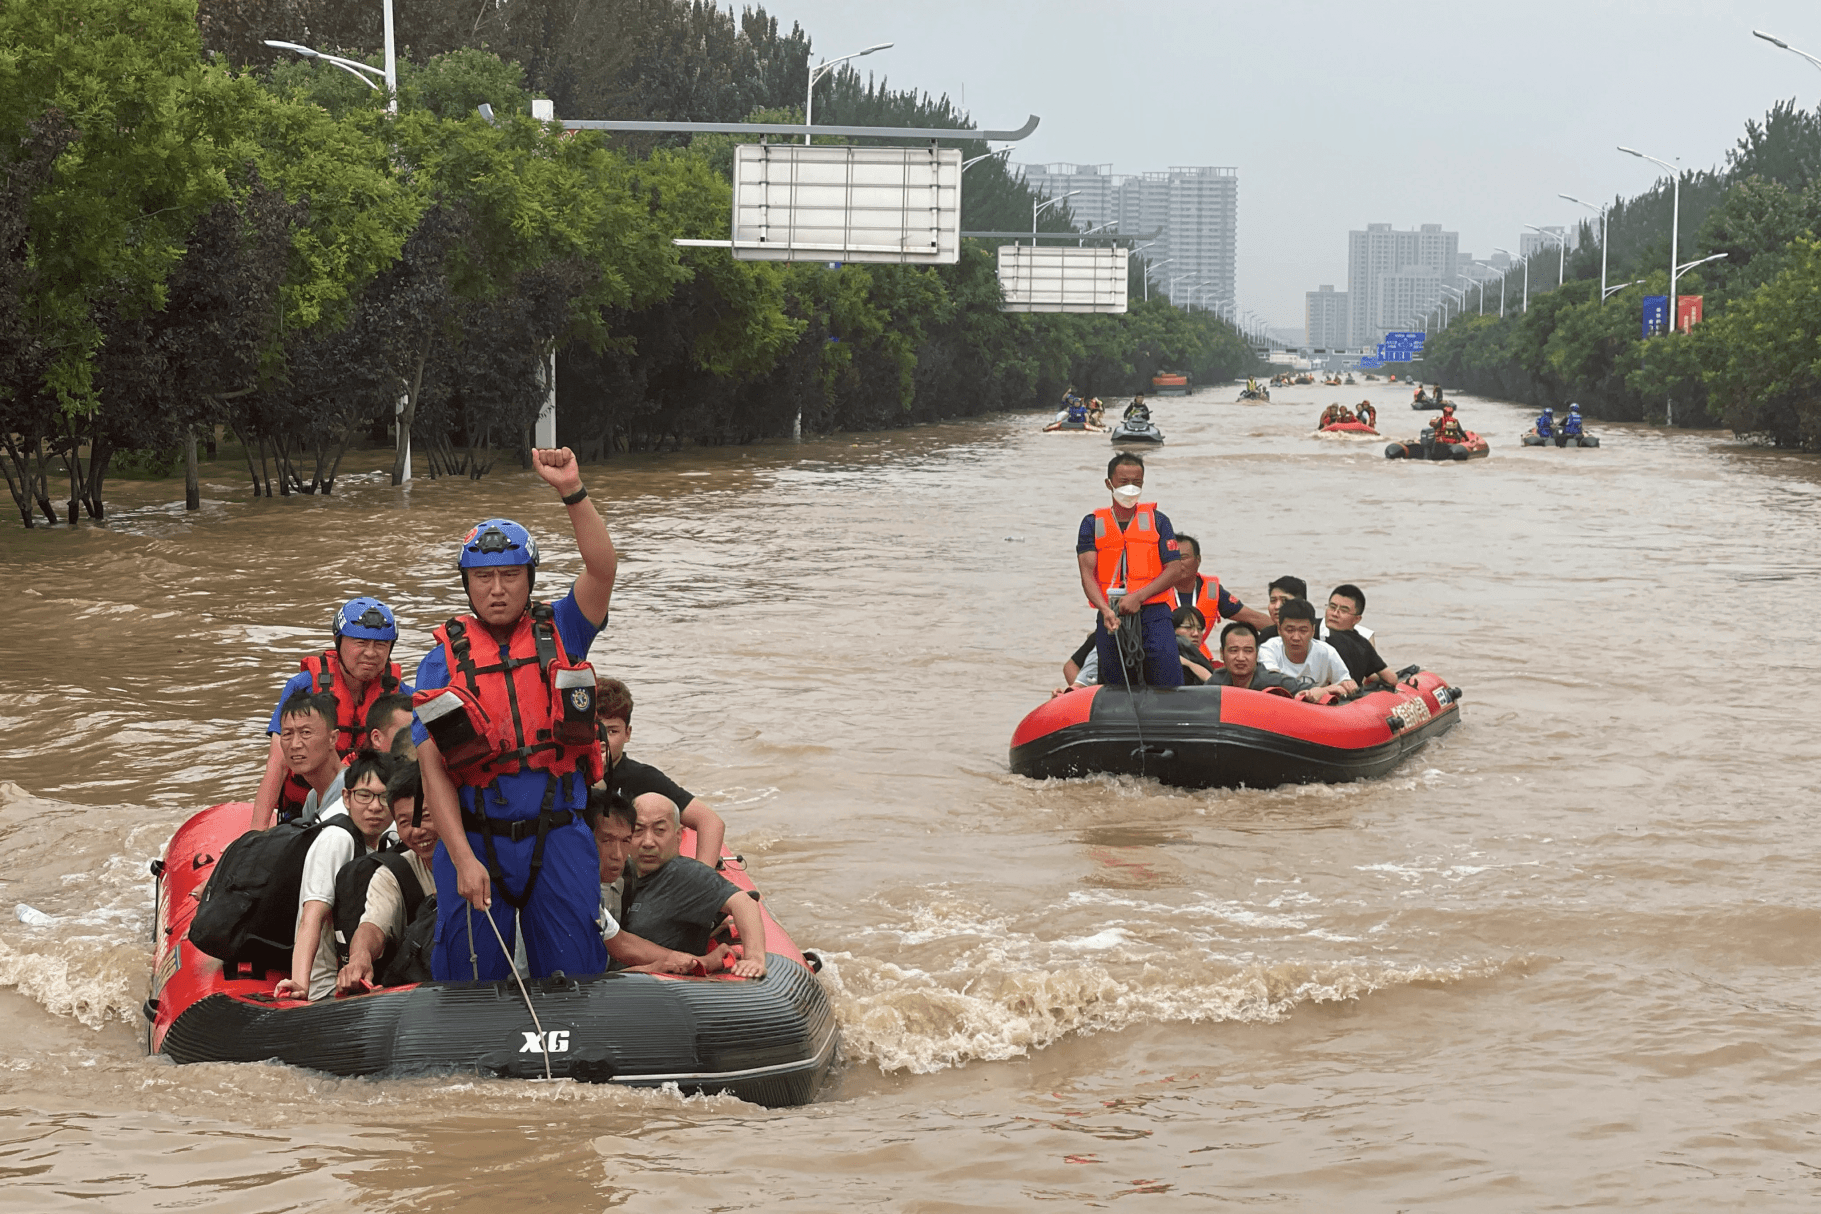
x: 544, y: 1048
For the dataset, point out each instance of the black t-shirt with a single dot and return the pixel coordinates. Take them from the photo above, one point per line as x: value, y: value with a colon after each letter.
x: 1357, y: 652
x: 679, y: 905
x: 634, y: 779
x: 1266, y: 633
x: 1087, y: 647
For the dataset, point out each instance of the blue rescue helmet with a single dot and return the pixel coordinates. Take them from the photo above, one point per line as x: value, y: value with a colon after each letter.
x: 366, y: 619
x: 1574, y: 408
x: 495, y: 542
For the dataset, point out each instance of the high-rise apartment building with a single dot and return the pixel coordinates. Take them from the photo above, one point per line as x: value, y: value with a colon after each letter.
x: 1382, y: 251
x: 1325, y: 318
x: 1095, y: 189
x: 1531, y: 243
x: 1194, y: 210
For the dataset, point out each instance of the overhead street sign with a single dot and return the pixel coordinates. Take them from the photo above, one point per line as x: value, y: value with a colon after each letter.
x: 802, y: 202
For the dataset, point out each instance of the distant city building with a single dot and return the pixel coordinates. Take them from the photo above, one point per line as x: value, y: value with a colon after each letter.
x: 1422, y: 261
x: 1194, y: 210
x: 1326, y: 320
x: 1095, y: 187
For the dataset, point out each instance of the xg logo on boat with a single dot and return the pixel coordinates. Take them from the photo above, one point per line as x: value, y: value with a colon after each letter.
x: 556, y: 1041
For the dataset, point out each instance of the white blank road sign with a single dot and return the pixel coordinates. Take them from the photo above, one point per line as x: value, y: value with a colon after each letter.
x: 898, y: 205
x: 1062, y: 279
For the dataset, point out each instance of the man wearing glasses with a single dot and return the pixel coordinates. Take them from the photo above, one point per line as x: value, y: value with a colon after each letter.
x: 358, y: 823
x: 1346, y: 605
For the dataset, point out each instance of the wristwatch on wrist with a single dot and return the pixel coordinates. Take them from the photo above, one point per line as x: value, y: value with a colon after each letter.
x: 575, y: 497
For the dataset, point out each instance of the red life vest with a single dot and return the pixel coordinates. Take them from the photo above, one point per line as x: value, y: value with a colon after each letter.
x: 1127, y: 557
x: 532, y: 710
x: 325, y: 674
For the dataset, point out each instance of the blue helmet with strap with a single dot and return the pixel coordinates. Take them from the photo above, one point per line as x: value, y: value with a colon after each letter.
x: 366, y: 619
x: 497, y: 542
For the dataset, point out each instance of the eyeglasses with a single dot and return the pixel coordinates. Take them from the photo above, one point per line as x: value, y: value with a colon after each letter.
x: 363, y: 796
x: 1341, y: 609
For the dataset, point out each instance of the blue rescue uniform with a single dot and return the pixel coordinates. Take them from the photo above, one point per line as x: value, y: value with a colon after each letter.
x: 560, y: 918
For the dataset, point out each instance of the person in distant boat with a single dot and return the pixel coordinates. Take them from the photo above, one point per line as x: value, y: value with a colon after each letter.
x: 1545, y: 424
x: 388, y: 721
x: 679, y: 901
x: 1096, y: 412
x: 355, y: 672
x: 1420, y: 397
x: 1366, y: 413
x: 1280, y: 591
x: 1190, y: 628
x: 1239, y: 653
x: 1204, y: 592
x: 1294, y: 651
x: 1571, y: 425
x: 1251, y: 384
x: 1447, y: 427
x: 1138, y: 411
x: 633, y: 779
x: 360, y: 822
x: 1340, y: 629
x: 1129, y: 561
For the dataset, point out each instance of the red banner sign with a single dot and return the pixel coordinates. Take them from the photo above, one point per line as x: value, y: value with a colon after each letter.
x: 1688, y: 312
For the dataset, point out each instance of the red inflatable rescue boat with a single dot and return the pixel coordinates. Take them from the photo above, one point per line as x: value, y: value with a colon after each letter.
x: 1223, y: 737
x: 770, y: 1040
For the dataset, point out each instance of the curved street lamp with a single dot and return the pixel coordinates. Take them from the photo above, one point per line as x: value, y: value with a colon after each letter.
x: 1675, y: 217
x: 1561, y: 240
x: 1526, y: 261
x: 1602, y: 214
x: 821, y: 69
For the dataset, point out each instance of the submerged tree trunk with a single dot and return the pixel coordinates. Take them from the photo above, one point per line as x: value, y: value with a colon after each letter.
x: 101, y: 454
x: 192, y: 484
x: 20, y: 487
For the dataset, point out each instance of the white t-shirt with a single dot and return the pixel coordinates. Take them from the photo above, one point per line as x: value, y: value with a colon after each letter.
x: 1324, y: 666
x: 1359, y: 628
x: 332, y: 848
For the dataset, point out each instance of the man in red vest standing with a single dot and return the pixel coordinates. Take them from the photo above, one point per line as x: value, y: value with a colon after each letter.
x: 1130, y: 564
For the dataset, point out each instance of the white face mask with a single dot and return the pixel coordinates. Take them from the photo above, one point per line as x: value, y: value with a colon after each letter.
x: 1127, y: 495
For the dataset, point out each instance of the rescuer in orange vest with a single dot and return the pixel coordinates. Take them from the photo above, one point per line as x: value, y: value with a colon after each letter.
x: 1205, y: 593
x: 1130, y: 564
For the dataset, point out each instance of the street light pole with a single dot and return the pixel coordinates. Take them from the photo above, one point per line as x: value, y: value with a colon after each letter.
x: 1508, y: 253
x: 1675, y: 219
x: 822, y: 69
x: 1786, y: 46
x: 1045, y: 205
x: 1602, y: 211
x: 1561, y: 242
x: 1148, y: 267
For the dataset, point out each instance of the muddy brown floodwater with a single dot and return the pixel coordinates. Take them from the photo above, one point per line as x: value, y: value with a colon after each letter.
x: 1565, y: 958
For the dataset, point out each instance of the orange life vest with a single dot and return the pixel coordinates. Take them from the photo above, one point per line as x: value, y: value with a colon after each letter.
x: 325, y: 674
x: 533, y: 709
x: 1207, y: 601
x: 1128, y: 557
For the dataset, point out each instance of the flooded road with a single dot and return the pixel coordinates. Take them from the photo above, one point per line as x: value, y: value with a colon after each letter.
x: 1566, y: 957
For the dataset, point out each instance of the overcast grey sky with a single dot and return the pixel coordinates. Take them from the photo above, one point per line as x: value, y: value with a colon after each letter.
x: 1471, y: 115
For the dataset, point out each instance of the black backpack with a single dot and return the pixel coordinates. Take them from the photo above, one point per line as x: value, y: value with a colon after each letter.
x: 351, y: 885
x: 411, y: 960
x: 248, y: 909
